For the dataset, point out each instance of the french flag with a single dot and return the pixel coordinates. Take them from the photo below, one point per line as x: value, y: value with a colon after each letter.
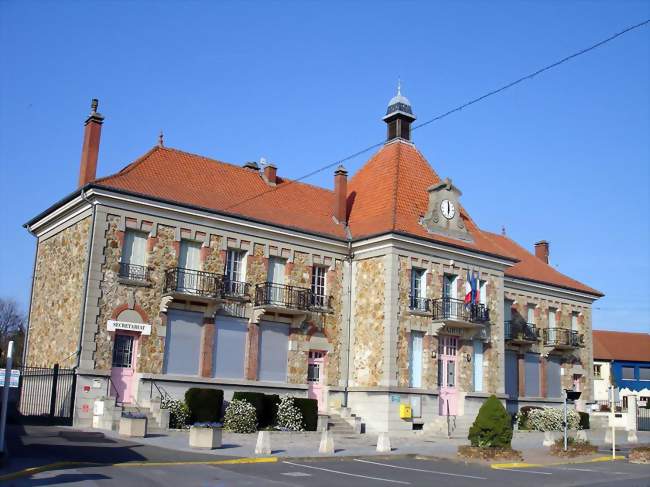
x: 475, y: 289
x: 468, y: 289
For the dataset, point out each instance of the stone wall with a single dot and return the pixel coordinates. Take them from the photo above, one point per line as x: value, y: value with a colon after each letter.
x: 57, y: 297
x: 368, y: 340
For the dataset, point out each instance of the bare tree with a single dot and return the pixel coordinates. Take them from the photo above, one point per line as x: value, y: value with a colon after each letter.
x: 12, y: 327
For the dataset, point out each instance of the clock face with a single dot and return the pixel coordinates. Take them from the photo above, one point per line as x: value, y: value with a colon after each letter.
x: 447, y: 209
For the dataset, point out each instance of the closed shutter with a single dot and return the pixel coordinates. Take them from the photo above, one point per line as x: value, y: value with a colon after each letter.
x: 183, y: 342
x: 478, y: 366
x: 553, y: 377
x: 531, y: 367
x: 273, y: 351
x: 416, y: 359
x: 512, y: 374
x: 229, y: 346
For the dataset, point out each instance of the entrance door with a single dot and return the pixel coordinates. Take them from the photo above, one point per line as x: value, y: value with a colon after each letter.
x: 447, y: 362
x: 124, y: 358
x: 315, y: 376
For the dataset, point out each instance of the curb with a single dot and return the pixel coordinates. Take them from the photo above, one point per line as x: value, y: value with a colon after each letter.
x: 506, y: 466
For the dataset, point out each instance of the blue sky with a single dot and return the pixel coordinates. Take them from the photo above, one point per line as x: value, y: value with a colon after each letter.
x: 564, y: 157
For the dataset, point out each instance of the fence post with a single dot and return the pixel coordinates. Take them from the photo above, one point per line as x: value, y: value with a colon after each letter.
x: 55, y: 379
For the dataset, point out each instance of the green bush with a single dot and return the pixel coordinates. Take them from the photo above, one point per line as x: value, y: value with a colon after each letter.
x: 309, y: 410
x: 491, y: 427
x: 271, y: 404
x: 522, y: 417
x: 240, y: 417
x: 179, y: 414
x: 255, y: 399
x: 584, y: 420
x: 204, y: 404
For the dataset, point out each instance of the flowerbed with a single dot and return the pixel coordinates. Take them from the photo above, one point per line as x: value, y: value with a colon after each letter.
x: 640, y: 454
x: 575, y: 448
x: 489, y: 453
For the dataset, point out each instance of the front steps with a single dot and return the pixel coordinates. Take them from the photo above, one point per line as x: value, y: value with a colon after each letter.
x: 344, y: 422
x: 107, y: 415
x: 458, y: 426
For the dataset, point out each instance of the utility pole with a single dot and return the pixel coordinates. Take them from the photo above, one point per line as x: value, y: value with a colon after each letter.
x: 5, y: 396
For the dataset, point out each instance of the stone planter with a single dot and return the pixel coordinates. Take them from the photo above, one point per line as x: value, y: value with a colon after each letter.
x: 205, y: 437
x: 133, y: 427
x: 551, y: 437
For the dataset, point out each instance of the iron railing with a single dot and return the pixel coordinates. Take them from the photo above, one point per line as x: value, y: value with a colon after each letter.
x: 319, y: 302
x: 196, y: 283
x: 456, y: 309
x: 518, y: 330
x: 561, y: 337
x: 134, y: 272
x: 418, y: 303
x: 46, y: 394
x: 282, y: 295
x: 235, y: 289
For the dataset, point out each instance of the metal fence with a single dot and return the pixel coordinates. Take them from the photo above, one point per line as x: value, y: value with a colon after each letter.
x: 46, y: 394
x: 643, y: 418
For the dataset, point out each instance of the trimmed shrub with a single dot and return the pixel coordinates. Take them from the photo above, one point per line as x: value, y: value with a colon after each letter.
x: 289, y: 417
x: 204, y: 404
x: 491, y: 427
x: 179, y: 414
x: 522, y: 416
x: 240, y: 417
x: 584, y: 420
x: 309, y: 410
x: 550, y: 419
x: 270, y: 412
x: 257, y: 400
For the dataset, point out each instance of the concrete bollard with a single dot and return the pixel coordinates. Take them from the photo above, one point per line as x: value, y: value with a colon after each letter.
x: 263, y: 445
x: 632, y: 437
x: 326, y: 443
x: 581, y: 435
x: 383, y: 443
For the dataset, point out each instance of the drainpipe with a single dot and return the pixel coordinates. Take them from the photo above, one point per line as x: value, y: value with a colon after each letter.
x: 85, y: 284
x: 349, y: 258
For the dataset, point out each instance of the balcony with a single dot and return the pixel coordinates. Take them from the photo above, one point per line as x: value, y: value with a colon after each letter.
x: 181, y: 282
x: 461, y: 314
x: 520, y: 333
x: 281, y: 298
x: 133, y: 273
x: 419, y: 305
x: 562, y: 339
x: 235, y: 290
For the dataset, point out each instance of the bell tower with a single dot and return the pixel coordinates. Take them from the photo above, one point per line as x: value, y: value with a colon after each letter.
x: 399, y: 116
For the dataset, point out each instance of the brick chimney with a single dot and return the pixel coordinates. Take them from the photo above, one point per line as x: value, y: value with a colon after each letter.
x: 90, y: 148
x: 542, y: 250
x: 341, y: 194
x: 270, y: 174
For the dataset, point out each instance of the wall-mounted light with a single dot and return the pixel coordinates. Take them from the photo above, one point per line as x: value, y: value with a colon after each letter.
x: 468, y: 357
x: 433, y: 354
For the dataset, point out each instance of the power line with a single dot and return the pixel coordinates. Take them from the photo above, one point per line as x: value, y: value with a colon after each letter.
x: 450, y: 112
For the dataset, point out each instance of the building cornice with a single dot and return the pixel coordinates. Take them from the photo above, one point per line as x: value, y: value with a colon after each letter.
x: 547, y: 289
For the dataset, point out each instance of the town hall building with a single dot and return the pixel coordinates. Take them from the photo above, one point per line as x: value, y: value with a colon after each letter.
x: 184, y: 271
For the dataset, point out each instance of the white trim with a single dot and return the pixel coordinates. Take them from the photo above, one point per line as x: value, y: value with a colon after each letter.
x: 511, y: 283
x: 60, y: 222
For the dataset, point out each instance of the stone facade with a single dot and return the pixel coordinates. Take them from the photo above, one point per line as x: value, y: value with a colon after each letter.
x: 55, y: 313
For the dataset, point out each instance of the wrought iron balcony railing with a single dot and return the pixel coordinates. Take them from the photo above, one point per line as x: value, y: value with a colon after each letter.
x: 456, y: 309
x: 420, y: 304
x: 235, y: 289
x: 319, y: 302
x: 282, y: 295
x: 520, y: 331
x: 134, y: 272
x: 196, y: 283
x: 560, y: 337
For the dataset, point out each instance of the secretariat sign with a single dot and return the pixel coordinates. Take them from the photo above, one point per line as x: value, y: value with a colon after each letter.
x: 112, y: 325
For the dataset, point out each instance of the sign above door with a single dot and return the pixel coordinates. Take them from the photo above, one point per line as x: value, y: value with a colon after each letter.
x: 112, y: 325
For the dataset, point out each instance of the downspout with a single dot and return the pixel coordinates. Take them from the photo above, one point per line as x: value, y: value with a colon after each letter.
x: 349, y: 258
x: 31, y: 297
x: 85, y: 284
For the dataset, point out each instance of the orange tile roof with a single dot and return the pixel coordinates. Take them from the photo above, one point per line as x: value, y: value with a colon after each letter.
x: 619, y: 345
x: 388, y: 194
x: 532, y: 268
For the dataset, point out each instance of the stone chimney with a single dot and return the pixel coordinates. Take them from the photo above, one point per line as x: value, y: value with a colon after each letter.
x: 542, y: 250
x: 270, y: 174
x: 341, y: 195
x: 90, y: 148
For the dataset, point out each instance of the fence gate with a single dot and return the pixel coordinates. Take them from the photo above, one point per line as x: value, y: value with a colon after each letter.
x: 46, y: 395
x: 643, y: 418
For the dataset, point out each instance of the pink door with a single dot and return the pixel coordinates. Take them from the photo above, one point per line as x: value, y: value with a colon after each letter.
x: 315, y: 376
x: 447, y: 367
x: 124, y: 359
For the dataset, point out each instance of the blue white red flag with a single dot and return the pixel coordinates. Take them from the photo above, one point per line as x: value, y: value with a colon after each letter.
x: 468, y: 289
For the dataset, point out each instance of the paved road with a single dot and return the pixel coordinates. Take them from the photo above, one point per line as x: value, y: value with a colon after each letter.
x: 356, y: 472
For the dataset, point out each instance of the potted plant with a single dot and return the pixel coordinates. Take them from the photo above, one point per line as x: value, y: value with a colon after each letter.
x: 205, y: 435
x: 133, y: 425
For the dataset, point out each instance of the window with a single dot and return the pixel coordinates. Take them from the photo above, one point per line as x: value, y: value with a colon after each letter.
x: 627, y: 373
x: 189, y: 257
x: 531, y: 377
x: 598, y: 371
x: 123, y: 351
x: 512, y: 374
x: 449, y: 286
x: 574, y: 321
x: 229, y: 346
x: 235, y: 265
x: 134, y: 255
x: 478, y: 366
x: 482, y: 296
x: 273, y: 351
x: 644, y: 373
x: 530, y: 317
x: 507, y: 309
x: 415, y: 358
x: 318, y: 274
x: 553, y: 377
x: 183, y: 342
x: 551, y: 317
x: 418, y: 289
x: 276, y: 278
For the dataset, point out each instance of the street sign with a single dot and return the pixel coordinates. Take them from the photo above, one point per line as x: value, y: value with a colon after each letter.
x: 13, y: 380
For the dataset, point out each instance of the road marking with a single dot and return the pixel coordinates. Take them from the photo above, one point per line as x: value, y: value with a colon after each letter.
x: 349, y: 474
x: 297, y: 474
x: 590, y: 470
x: 421, y: 470
x: 525, y: 471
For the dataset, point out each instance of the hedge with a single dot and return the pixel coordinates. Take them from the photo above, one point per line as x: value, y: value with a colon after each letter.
x: 522, y: 416
x: 584, y: 420
x: 266, y: 406
x: 309, y: 410
x: 204, y: 404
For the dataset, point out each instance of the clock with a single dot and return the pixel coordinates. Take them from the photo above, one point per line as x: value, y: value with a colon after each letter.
x: 447, y: 209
